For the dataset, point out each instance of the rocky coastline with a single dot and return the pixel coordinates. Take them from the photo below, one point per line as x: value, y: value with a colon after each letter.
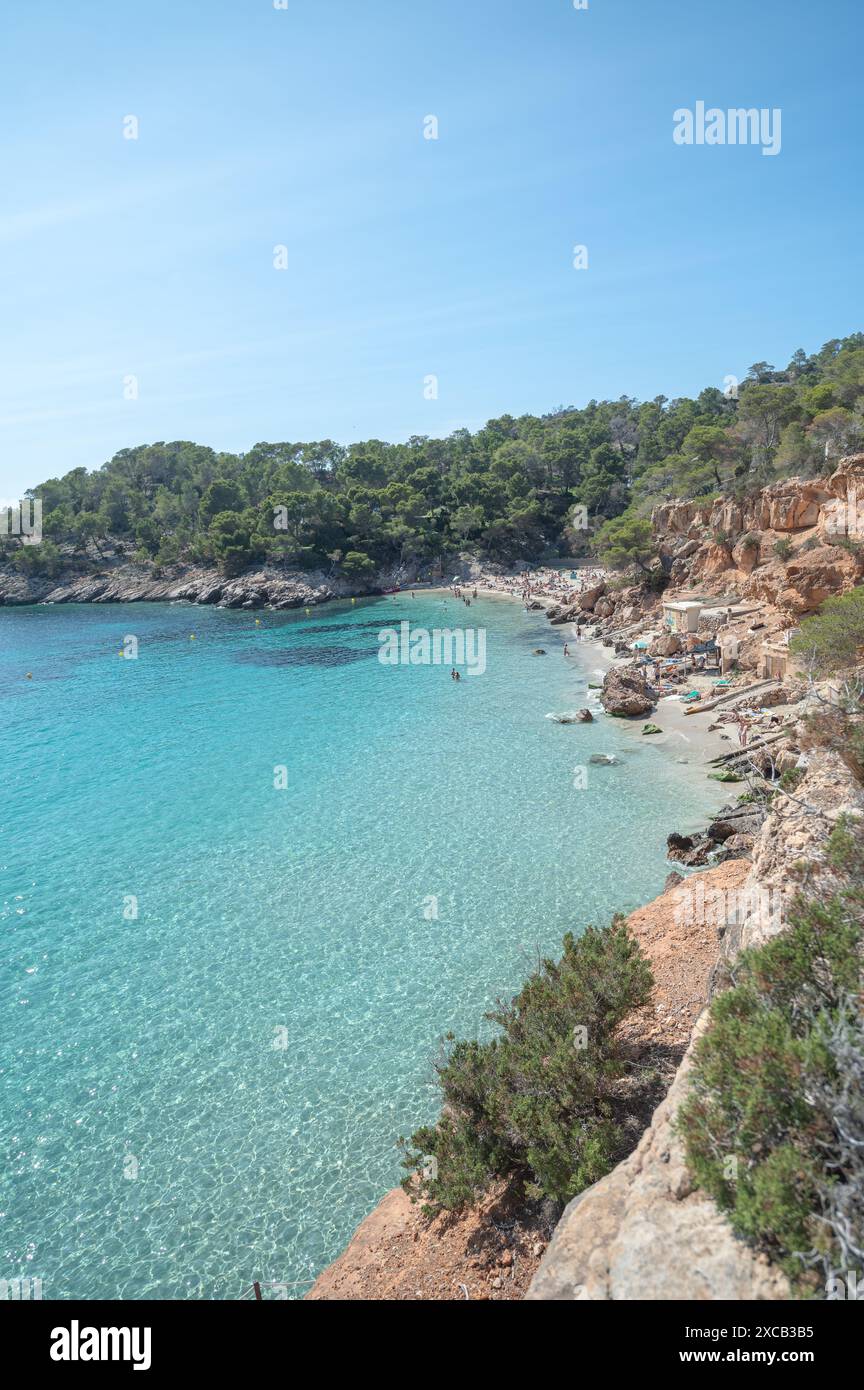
x: 643, y: 1232
x: 118, y: 580
x: 759, y: 565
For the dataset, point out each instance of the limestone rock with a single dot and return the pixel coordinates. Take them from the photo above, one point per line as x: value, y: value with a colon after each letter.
x: 642, y: 1233
x: 815, y: 575
x: 587, y: 600
x: 667, y: 644
x: 626, y: 693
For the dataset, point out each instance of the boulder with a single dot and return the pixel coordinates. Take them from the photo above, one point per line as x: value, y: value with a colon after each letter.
x: 587, y: 600
x: 582, y: 716
x: 747, y: 557
x: 626, y: 693
x: 604, y: 608
x: 739, y: 844
x: 604, y: 760
x: 651, y: 729
x: 667, y: 644
x: 678, y: 845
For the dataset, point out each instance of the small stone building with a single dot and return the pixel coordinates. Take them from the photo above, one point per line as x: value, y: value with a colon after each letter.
x: 682, y: 615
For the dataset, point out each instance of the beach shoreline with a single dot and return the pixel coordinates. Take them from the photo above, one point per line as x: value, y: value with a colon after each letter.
x: 687, y: 735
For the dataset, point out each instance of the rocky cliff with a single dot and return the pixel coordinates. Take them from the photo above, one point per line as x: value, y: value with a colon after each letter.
x: 643, y: 1232
x: 791, y: 545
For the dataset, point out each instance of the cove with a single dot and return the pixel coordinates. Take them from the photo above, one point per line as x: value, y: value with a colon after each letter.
x: 301, y: 915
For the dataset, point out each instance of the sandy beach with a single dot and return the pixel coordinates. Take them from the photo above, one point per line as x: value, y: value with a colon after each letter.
x: 689, y: 737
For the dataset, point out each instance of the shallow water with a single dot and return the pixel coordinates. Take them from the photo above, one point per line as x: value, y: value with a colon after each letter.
x: 210, y: 1092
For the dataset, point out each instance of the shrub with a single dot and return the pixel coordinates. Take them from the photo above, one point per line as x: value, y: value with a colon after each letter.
x: 833, y: 638
x: 840, y: 727
x: 44, y: 559
x: 790, y: 779
x: 783, y: 548
x: 535, y: 1102
x: 773, y: 1125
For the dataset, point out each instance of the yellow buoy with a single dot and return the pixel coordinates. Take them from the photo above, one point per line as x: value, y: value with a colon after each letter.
x: 353, y: 600
x: 191, y: 636
x: 308, y: 612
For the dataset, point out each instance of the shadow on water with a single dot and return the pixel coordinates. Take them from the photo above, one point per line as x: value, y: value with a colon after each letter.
x: 304, y: 656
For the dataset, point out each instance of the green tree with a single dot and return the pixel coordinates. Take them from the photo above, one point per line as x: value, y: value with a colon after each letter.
x: 833, y: 639
x: 626, y: 540
x: 357, y: 565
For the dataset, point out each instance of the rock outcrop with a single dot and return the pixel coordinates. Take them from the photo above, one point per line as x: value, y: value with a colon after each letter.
x: 643, y: 1234
x: 626, y: 693
x: 120, y: 581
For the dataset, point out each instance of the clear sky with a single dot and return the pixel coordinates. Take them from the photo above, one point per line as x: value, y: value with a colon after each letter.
x: 406, y: 257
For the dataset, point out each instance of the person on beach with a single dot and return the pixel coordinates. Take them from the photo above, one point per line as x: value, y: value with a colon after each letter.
x: 566, y: 650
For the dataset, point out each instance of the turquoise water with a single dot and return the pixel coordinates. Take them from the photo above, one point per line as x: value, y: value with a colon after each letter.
x: 209, y: 1093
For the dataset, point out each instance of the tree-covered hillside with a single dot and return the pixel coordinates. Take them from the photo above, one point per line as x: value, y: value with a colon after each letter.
x: 517, y: 489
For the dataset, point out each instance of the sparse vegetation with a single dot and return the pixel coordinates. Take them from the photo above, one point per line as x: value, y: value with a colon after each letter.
x: 774, y: 1124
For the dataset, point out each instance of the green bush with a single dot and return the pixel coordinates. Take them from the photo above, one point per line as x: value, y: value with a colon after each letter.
x: 536, y: 1101
x: 783, y: 548
x: 769, y: 1128
x: 356, y: 565
x: 43, y: 560
x: 833, y: 638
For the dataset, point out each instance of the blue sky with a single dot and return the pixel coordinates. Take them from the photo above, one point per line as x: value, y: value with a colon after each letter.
x: 406, y: 257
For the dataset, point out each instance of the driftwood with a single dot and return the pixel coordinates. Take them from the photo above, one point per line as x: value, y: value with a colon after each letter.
x: 748, y: 748
x: 743, y: 692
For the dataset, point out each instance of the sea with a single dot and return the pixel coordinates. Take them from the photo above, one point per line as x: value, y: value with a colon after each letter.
x: 250, y: 877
